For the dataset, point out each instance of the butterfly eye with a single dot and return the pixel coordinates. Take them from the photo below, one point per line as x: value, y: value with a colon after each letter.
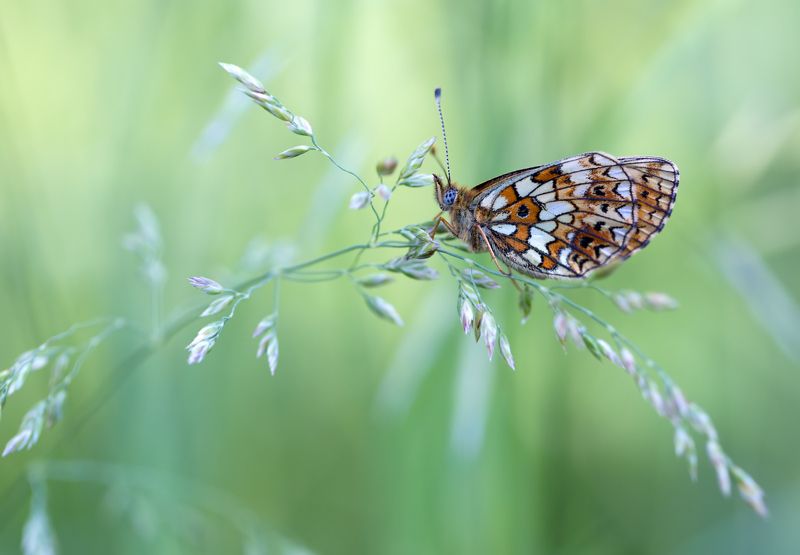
x: 449, y: 196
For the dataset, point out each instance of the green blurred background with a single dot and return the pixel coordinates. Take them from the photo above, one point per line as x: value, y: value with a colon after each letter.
x: 372, y: 438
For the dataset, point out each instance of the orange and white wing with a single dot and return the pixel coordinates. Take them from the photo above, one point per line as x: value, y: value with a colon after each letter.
x: 571, y: 217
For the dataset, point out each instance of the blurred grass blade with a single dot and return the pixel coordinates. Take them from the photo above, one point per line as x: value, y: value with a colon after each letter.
x: 416, y: 353
x: 473, y: 388
x: 765, y: 296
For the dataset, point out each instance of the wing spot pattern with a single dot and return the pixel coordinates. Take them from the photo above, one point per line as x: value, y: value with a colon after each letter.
x: 548, y: 215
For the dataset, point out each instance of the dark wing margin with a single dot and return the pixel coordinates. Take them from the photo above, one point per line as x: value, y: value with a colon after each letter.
x: 655, y: 189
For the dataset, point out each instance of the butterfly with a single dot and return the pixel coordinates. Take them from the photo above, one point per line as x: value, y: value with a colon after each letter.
x: 565, y: 219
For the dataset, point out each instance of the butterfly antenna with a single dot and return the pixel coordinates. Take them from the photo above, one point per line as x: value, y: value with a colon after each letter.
x: 438, y: 94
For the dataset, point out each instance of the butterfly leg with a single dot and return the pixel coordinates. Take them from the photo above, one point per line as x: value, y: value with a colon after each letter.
x: 440, y: 219
x: 506, y: 272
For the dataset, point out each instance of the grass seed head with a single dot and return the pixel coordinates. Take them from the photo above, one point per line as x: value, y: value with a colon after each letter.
x: 750, y: 491
x: 272, y: 356
x: 525, y: 302
x: 720, y: 463
x: 628, y: 361
x: 417, y: 180
x: 204, y: 341
x: 386, y: 166
x: 375, y: 280
x: 218, y: 305
x: 243, y: 77
x: 560, y: 325
x: 359, y: 200
x: 489, y: 333
x: 384, y: 309
x: 206, y: 285
x: 383, y: 191
x: 294, y: 152
x: 264, y: 343
x: 266, y: 324
x: 414, y: 161
x: 476, y: 277
x: 466, y: 314
x: 685, y: 447
x: 300, y: 126
x: 609, y: 352
x: 660, y: 301
x: 505, y: 350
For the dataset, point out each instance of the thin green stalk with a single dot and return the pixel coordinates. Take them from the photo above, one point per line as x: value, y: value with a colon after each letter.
x: 92, y: 344
x: 75, y: 328
x: 345, y: 170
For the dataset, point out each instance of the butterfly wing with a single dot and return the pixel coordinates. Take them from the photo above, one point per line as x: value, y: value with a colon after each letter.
x: 575, y: 215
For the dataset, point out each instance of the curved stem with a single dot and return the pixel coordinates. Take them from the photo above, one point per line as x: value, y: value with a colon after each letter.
x: 76, y: 327
x: 333, y: 161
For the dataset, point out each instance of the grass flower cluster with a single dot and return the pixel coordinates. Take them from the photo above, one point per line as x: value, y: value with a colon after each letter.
x: 64, y: 359
x: 600, y: 338
x: 408, y: 253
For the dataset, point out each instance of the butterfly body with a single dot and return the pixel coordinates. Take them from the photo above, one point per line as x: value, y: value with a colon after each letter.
x: 566, y: 219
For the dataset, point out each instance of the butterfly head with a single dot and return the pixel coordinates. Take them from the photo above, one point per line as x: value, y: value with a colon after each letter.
x: 446, y: 194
